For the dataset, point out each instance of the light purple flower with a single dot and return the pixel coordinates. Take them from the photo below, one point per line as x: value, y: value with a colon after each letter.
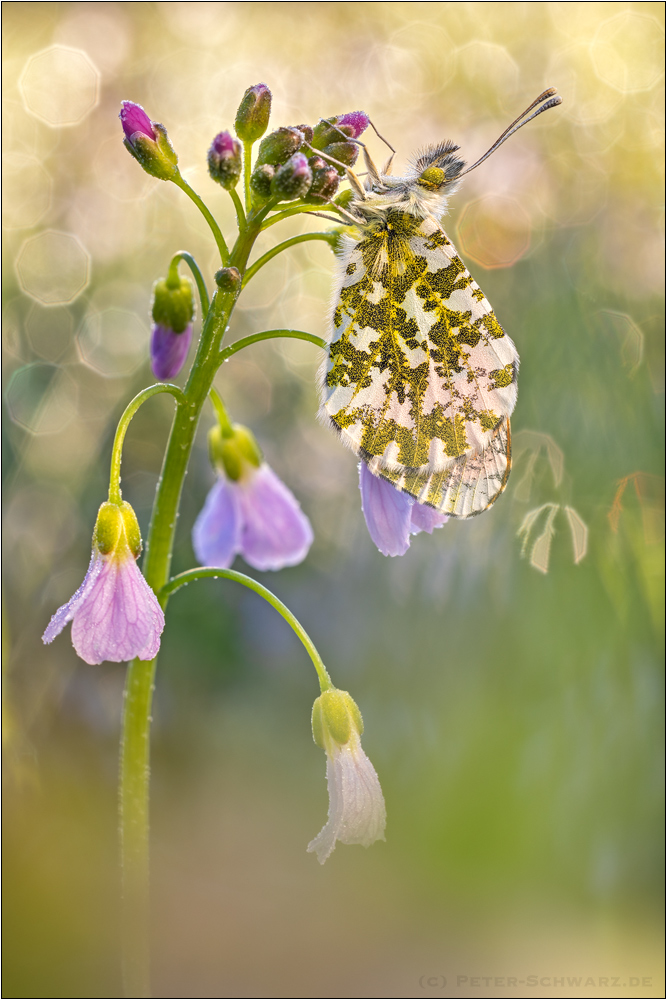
x: 115, y: 615
x: 255, y: 516
x: 391, y: 515
x: 169, y: 350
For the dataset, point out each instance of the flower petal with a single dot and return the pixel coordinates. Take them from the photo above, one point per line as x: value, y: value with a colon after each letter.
x: 387, y: 512
x: 357, y: 813
x: 115, y: 615
x: 216, y: 536
x: 169, y: 351
x: 275, y: 531
x: 65, y: 613
x: 120, y: 617
x: 134, y: 119
x: 424, y: 518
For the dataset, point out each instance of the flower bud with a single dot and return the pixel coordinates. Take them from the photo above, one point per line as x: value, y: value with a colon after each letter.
x: 173, y: 302
x: 293, y: 179
x: 278, y: 146
x: 335, y: 717
x: 306, y: 131
x: 227, y: 279
x: 351, y: 124
x: 232, y: 449
x: 225, y: 160
x: 344, y: 152
x: 173, y: 311
x: 325, y: 180
x: 260, y: 182
x: 148, y: 142
x: 252, y: 117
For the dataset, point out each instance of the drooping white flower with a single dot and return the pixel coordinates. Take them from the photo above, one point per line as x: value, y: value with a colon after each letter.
x: 357, y: 813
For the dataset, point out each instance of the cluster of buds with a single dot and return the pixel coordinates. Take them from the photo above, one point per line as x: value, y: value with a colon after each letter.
x: 293, y: 162
x: 288, y: 166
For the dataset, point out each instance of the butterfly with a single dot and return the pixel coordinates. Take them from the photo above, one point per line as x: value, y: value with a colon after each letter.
x: 420, y: 377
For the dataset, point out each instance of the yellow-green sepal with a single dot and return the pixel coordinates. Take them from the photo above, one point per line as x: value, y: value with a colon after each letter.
x: 335, y: 717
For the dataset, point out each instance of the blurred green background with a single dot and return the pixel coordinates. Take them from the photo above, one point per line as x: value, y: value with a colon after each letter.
x: 514, y: 716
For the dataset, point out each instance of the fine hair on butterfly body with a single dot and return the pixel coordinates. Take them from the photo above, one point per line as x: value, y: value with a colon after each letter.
x: 420, y: 378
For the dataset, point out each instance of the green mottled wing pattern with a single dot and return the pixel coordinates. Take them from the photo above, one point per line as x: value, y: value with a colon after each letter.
x: 469, y: 485
x: 421, y: 377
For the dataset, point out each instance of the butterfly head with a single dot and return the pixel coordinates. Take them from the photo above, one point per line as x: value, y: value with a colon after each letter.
x: 437, y: 168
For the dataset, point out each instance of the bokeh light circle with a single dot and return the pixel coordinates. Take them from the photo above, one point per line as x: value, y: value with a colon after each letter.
x: 113, y: 342
x: 41, y: 398
x: 31, y: 188
x: 494, y: 231
x: 627, y: 52
x: 60, y: 85
x: 53, y: 267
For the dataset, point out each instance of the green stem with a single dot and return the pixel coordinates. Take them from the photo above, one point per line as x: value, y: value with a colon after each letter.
x: 238, y: 205
x: 282, y: 609
x: 135, y: 745
x: 115, y: 495
x: 198, y: 276
x: 221, y: 412
x: 288, y: 213
x: 134, y: 827
x: 214, y: 227
x: 255, y: 338
x: 270, y: 254
x: 247, y: 170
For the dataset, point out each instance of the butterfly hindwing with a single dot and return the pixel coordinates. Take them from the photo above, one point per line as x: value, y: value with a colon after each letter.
x: 469, y: 485
x: 420, y: 374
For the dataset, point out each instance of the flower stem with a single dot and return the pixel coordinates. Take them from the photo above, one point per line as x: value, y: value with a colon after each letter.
x: 238, y: 205
x: 302, y: 209
x: 135, y: 737
x: 270, y: 254
x: 282, y: 609
x: 133, y: 808
x: 198, y: 276
x: 255, y: 338
x: 115, y: 495
x: 247, y: 170
x: 221, y: 412
x: 213, y: 225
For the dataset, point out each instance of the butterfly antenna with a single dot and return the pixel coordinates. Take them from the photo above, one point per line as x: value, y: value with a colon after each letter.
x: 550, y: 99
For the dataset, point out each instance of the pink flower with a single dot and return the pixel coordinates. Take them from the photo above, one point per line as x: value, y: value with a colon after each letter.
x: 392, y: 516
x: 115, y: 615
x: 354, y: 121
x: 147, y: 141
x: 134, y: 120
x: 255, y: 516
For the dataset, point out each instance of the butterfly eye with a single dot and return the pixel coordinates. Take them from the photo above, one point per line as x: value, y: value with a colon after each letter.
x: 432, y: 178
